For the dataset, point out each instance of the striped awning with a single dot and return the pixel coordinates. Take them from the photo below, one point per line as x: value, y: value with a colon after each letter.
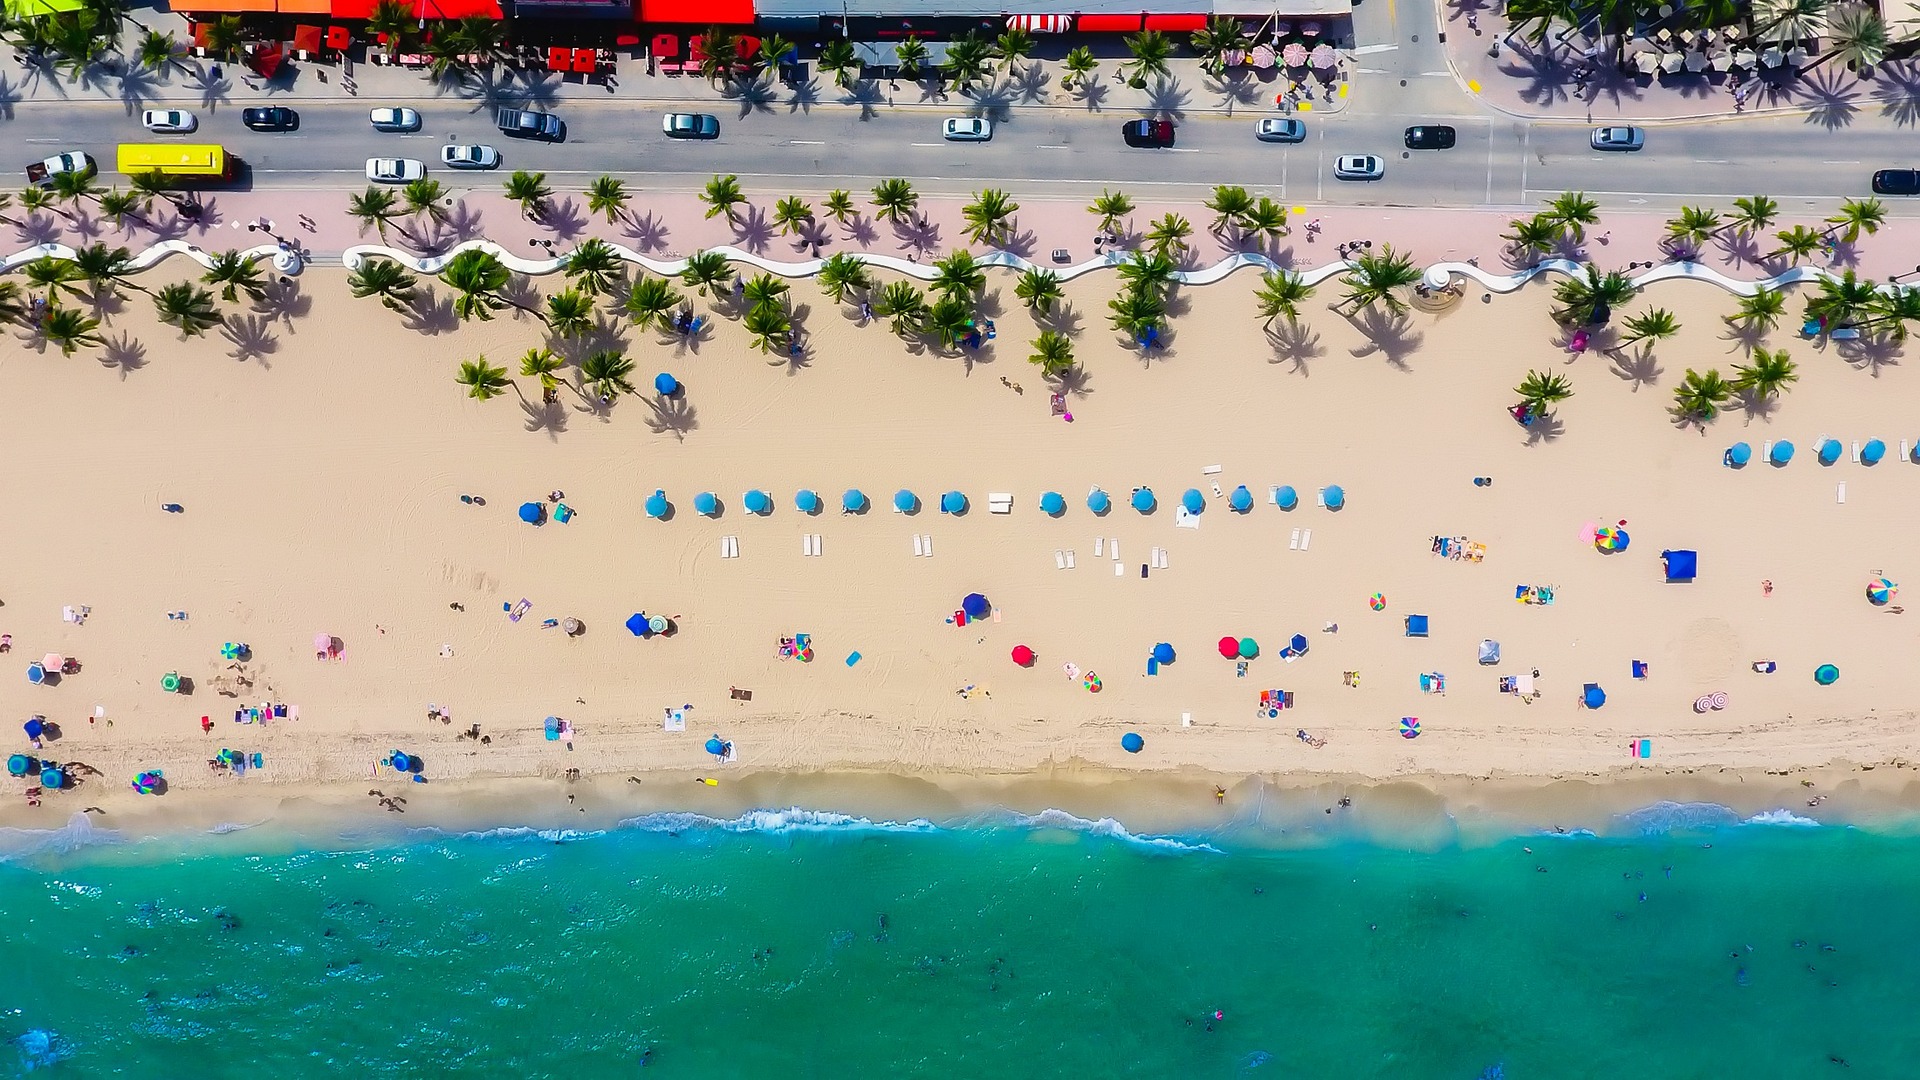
x: 1040, y: 24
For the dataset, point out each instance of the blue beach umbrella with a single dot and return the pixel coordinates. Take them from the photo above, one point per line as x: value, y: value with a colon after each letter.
x: 1592, y: 696
x: 1829, y: 451
x: 20, y: 765
x: 1241, y: 500
x: 1098, y: 502
x: 53, y: 778
x: 953, y: 503
x: 1143, y: 500
x: 532, y: 513
x: 1052, y: 505
x: 34, y: 727
x: 905, y: 501
x: 757, y: 501
x: 1163, y: 653
x: 1826, y: 674
x: 637, y: 624
x: 716, y: 746
x: 1192, y: 501
x: 1873, y: 451
x: 665, y: 385
x: 706, y: 503
x: 1299, y: 643
x: 975, y: 605
x: 806, y: 501
x: 1132, y: 743
x: 1335, y: 496
x: 1740, y: 453
x: 657, y: 504
x: 853, y: 501
x: 1288, y: 497
x: 1782, y: 452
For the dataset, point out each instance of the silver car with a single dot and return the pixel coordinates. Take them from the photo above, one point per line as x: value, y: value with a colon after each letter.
x: 470, y: 156
x: 1358, y: 167
x: 1282, y: 129
x: 169, y: 121
x: 388, y: 170
x: 1619, y: 138
x: 395, y: 119
x: 687, y: 125
x: 966, y: 129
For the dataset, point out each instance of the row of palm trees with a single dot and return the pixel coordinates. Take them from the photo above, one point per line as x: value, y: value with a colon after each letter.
x: 97, y: 275
x: 1854, y: 33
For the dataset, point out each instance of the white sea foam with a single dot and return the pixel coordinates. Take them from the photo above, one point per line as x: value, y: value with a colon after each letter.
x: 791, y: 820
x: 1665, y: 817
x: 77, y: 833
x: 1103, y: 827
x: 1782, y: 817
x: 518, y: 832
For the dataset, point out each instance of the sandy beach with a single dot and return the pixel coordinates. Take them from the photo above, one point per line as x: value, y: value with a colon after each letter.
x: 320, y: 476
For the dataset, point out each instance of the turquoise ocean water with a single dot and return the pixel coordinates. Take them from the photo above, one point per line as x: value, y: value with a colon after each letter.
x: 797, y: 944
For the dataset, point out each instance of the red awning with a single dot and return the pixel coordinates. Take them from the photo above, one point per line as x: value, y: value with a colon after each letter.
x: 266, y: 61
x: 665, y: 46
x: 1040, y: 24
x: 456, y: 9
x: 556, y: 58
x: 306, y: 38
x: 697, y: 12
x: 1176, y: 22
x: 351, y: 9
x: 338, y: 38
x: 1108, y: 24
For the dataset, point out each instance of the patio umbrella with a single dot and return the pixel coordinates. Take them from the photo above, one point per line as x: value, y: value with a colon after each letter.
x: 756, y: 501
x: 1230, y: 647
x: 1293, y: 55
x: 1132, y: 743
x: 1829, y: 452
x: 1163, y: 653
x: 637, y: 624
x: 1880, y: 590
x: 1143, y: 500
x: 20, y: 765
x: 716, y: 747
x: 1647, y: 62
x: 170, y: 682
x: 1610, y: 538
x: 853, y: 501
x: 1671, y: 62
x: 1052, y: 505
x: 657, y: 504
x: 1022, y: 655
x: 1321, y: 57
x: 1248, y: 648
x: 1772, y: 57
x: 657, y: 623
x: 1782, y: 452
x: 1720, y: 61
x: 1335, y: 496
x: 1740, y: 453
x: 1873, y: 451
x: 1261, y: 57
x: 706, y: 503
x: 1098, y: 502
x: 1696, y: 62
x: 806, y: 501
x: 570, y: 626
x: 1744, y: 58
x: 1288, y: 498
x: 1241, y: 499
x: 905, y: 501
x: 665, y: 385
x: 532, y: 513
x: 953, y: 503
x: 232, y: 650
x: 1193, y: 501
x: 51, y: 777
x: 975, y: 605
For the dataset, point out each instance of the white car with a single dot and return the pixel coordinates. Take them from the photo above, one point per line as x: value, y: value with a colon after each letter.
x: 387, y: 170
x: 169, y: 121
x: 1358, y: 167
x: 966, y: 129
x: 395, y: 119
x: 469, y: 157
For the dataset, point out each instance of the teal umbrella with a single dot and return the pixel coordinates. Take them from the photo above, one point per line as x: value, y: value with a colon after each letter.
x: 657, y: 504
x: 1098, y: 502
x: 1052, y: 504
x: 1241, y: 500
x: 806, y: 501
x: 706, y: 503
x: 1287, y: 497
x: 1192, y: 501
x: 757, y: 501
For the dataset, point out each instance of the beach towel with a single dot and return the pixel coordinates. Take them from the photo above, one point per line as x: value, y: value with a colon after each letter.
x: 674, y: 720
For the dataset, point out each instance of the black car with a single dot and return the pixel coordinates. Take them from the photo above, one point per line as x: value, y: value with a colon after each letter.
x: 531, y: 124
x: 270, y: 118
x: 1430, y: 137
x: 1896, y: 182
x: 1147, y: 132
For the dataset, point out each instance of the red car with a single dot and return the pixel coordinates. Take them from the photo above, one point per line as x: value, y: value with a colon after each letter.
x: 1147, y: 132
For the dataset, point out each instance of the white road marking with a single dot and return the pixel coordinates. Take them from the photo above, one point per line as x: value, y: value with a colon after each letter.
x: 1181, y: 150
x: 924, y: 144
x: 1366, y: 50
x: 1839, y: 163
x: 806, y: 142
x: 1051, y: 146
x: 1698, y: 161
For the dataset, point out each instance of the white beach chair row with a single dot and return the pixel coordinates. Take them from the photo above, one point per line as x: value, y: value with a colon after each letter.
x: 923, y: 545
x: 1300, y: 540
x: 810, y: 545
x: 1063, y: 557
x: 729, y: 547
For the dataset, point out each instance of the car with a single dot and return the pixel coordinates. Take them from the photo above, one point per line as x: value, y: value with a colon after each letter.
x: 270, y: 118
x: 1430, y: 137
x: 1147, y: 132
x: 387, y: 170
x: 469, y: 156
x: 1896, y: 182
x: 398, y: 118
x: 169, y: 121
x: 966, y: 129
x: 690, y: 125
x: 1358, y: 167
x: 1280, y: 129
x: 531, y: 124
x: 1618, y: 138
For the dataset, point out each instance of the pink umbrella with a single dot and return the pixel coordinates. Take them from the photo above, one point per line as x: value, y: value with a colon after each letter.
x: 1294, y: 54
x: 53, y: 661
x: 1262, y: 56
x: 323, y: 645
x: 1322, y: 56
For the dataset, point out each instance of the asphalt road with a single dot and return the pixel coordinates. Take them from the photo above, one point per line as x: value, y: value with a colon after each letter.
x: 1497, y: 162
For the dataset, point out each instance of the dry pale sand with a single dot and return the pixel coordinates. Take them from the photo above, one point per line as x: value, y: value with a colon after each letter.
x: 320, y: 475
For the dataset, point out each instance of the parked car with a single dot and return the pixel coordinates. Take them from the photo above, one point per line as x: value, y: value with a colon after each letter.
x: 1896, y: 182
x: 395, y: 119
x: 469, y: 156
x: 387, y: 170
x: 1358, y: 167
x: 531, y: 124
x: 966, y: 129
x: 270, y: 118
x: 1283, y: 129
x: 1619, y: 138
x: 1430, y: 137
x: 1147, y: 132
x: 169, y: 121
x: 73, y: 161
x: 688, y: 125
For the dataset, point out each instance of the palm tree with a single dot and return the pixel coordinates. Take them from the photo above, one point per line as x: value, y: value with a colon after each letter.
x: 608, y: 196
x: 476, y: 277
x: 1080, y: 64
x: 1150, y: 49
x: 1265, y: 218
x: 1040, y: 289
x: 1230, y: 204
x: 542, y: 365
x: 1752, y: 214
x: 1052, y: 353
x: 774, y: 49
x: 1651, y: 326
x: 1693, y: 228
x: 1894, y: 308
x: 71, y: 187
x: 792, y: 214
x: 904, y: 306
x: 482, y: 380
x: 55, y: 276
x: 1281, y: 293
x: 910, y: 58
x: 1137, y: 314
x: 374, y: 206
x: 949, y: 320
x: 105, y: 268
x: 1013, y: 46
x: 1699, y: 398
x: 838, y: 204
x: 34, y: 199
x: 841, y: 274
x: 1541, y: 389
x: 1379, y: 277
x: 958, y: 276
x: 652, y: 300
x: 384, y: 278
x: 423, y: 196
x: 720, y: 54
x: 189, y: 308
x: 989, y: 216
x: 706, y: 271
x: 1857, y: 36
x: 1584, y: 299
x: 117, y: 206
x: 530, y: 190
x: 70, y: 329
x: 157, y: 52
x: 13, y: 305
x: 966, y: 63
x: 1857, y: 216
x: 392, y: 21
x: 1222, y: 34
x: 722, y: 195
x: 608, y: 374
x: 1787, y: 21
x: 769, y: 326
x: 1110, y: 207
x: 1533, y: 19
x: 1760, y: 311
x: 1148, y: 273
x: 1840, y: 302
x: 765, y: 291
x: 1769, y: 375
x: 1535, y: 235
x: 1572, y: 212
x: 150, y: 185
x: 235, y: 274
x: 223, y: 37
x: 569, y: 313
x: 894, y: 198
x: 1798, y: 242
x: 1169, y: 234
x: 838, y: 59
x: 595, y: 267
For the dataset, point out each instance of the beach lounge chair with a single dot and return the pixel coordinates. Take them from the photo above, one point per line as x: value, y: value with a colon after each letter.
x: 1844, y: 333
x: 1416, y: 626
x: 1765, y: 667
x: 1306, y: 538
x: 999, y: 502
x: 1059, y: 559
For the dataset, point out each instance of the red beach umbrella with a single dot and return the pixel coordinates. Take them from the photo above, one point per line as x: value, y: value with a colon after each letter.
x: 1022, y: 655
x: 1230, y: 648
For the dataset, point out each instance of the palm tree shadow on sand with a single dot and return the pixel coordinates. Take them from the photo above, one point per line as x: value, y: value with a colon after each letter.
x: 1295, y: 343
x: 126, y: 354
x: 1639, y: 368
x: 671, y: 416
x: 1389, y: 334
x: 548, y: 416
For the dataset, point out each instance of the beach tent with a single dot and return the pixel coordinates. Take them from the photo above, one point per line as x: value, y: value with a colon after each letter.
x: 1163, y: 653
x: 1782, y: 452
x: 905, y: 501
x: 975, y: 605
x: 1287, y: 497
x: 1334, y: 496
x: 1022, y: 655
x: 1739, y: 454
x: 1592, y: 696
x: 1192, y: 501
x: 1098, y: 502
x: 1829, y: 451
x: 1132, y: 743
x: 1680, y: 565
x: 1143, y: 500
x: 1416, y: 626
x: 1873, y: 451
x: 706, y: 503
x: 657, y: 504
x: 953, y: 502
x: 637, y: 624
x: 853, y: 501
x: 532, y: 513
x: 757, y: 501
x: 806, y: 501
x: 1052, y: 505
x: 1241, y: 500
x: 1489, y: 651
x: 665, y: 385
